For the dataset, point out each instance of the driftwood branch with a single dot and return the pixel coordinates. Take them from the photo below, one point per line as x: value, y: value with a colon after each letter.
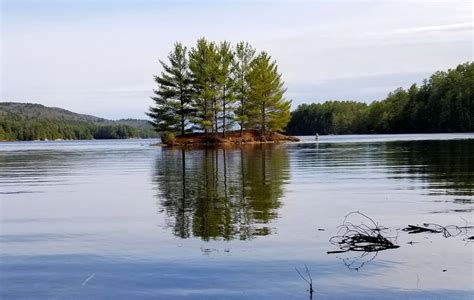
x: 365, y: 235
x: 447, y: 231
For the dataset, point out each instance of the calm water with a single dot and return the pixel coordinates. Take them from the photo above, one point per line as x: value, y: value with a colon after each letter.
x: 123, y: 219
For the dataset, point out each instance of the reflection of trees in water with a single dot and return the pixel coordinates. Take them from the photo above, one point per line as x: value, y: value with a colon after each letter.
x: 221, y: 193
x: 357, y: 262
x: 445, y: 165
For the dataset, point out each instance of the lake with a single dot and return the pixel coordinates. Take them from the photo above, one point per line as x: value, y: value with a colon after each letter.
x: 127, y: 220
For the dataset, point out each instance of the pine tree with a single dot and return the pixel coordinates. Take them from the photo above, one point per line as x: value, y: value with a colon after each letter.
x: 172, y: 108
x: 244, y: 54
x: 204, y: 63
x: 266, y: 95
x: 226, y: 58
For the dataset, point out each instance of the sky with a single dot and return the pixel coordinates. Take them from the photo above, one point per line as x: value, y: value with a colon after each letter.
x: 99, y: 57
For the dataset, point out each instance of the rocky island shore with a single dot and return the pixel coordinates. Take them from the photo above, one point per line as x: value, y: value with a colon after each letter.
x: 231, y: 137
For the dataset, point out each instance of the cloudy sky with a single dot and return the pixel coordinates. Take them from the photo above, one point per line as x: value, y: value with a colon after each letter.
x: 98, y: 57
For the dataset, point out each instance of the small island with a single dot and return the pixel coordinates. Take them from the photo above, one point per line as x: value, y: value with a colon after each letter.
x: 231, y: 138
x: 204, y: 94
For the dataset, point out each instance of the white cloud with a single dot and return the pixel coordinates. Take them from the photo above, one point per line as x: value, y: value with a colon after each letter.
x: 424, y: 29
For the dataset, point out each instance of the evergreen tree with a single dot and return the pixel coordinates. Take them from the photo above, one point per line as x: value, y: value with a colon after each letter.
x: 226, y: 58
x: 172, y: 108
x: 204, y: 66
x: 244, y: 54
x: 266, y: 95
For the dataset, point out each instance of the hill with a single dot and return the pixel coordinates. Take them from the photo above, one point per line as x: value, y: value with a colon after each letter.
x: 33, y: 110
x: 30, y: 121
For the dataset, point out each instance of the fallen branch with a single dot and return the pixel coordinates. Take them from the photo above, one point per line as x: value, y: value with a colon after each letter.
x: 447, y: 231
x: 365, y: 235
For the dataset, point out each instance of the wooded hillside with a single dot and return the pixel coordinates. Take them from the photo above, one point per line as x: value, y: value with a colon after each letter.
x: 442, y: 103
x: 29, y: 121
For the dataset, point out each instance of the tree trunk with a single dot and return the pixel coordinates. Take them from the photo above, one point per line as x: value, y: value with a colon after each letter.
x: 223, y: 114
x: 206, y: 110
x: 216, y: 127
x: 241, y: 115
x: 242, y: 110
x: 182, y: 111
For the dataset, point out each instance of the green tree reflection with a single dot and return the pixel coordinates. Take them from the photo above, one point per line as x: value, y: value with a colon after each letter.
x: 447, y: 166
x: 223, y: 193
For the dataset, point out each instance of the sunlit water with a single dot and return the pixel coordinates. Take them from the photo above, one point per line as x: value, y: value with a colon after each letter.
x: 123, y: 219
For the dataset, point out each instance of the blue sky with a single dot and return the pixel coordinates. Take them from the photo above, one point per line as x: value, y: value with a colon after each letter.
x: 98, y: 57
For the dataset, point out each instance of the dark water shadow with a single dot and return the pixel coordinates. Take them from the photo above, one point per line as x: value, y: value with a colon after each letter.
x: 446, y: 166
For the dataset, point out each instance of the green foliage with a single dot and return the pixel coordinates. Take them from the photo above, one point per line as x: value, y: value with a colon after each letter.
x: 331, y: 117
x: 219, y: 76
x: 167, y: 137
x: 272, y: 111
x: 204, y: 65
x: 244, y: 54
x: 173, y: 96
x: 226, y: 85
x: 444, y: 103
x: 29, y: 121
x: 22, y: 128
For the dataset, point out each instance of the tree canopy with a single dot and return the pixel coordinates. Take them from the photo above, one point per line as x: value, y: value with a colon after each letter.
x: 443, y: 103
x: 173, y: 96
x: 223, y: 85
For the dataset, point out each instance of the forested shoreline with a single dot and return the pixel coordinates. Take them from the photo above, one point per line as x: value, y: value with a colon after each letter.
x: 213, y: 87
x: 34, y: 123
x: 442, y: 103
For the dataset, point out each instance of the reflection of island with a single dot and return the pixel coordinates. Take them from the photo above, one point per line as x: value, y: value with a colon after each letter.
x: 221, y: 193
x: 447, y: 166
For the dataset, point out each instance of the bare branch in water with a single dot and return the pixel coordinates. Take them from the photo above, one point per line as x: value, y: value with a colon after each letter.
x: 308, y: 279
x: 357, y: 262
x: 447, y: 231
x: 365, y: 235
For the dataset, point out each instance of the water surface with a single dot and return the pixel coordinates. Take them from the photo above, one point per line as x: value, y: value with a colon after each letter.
x: 123, y: 219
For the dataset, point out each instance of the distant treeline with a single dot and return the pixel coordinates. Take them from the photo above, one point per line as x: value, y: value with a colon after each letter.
x: 22, y: 128
x: 444, y: 103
